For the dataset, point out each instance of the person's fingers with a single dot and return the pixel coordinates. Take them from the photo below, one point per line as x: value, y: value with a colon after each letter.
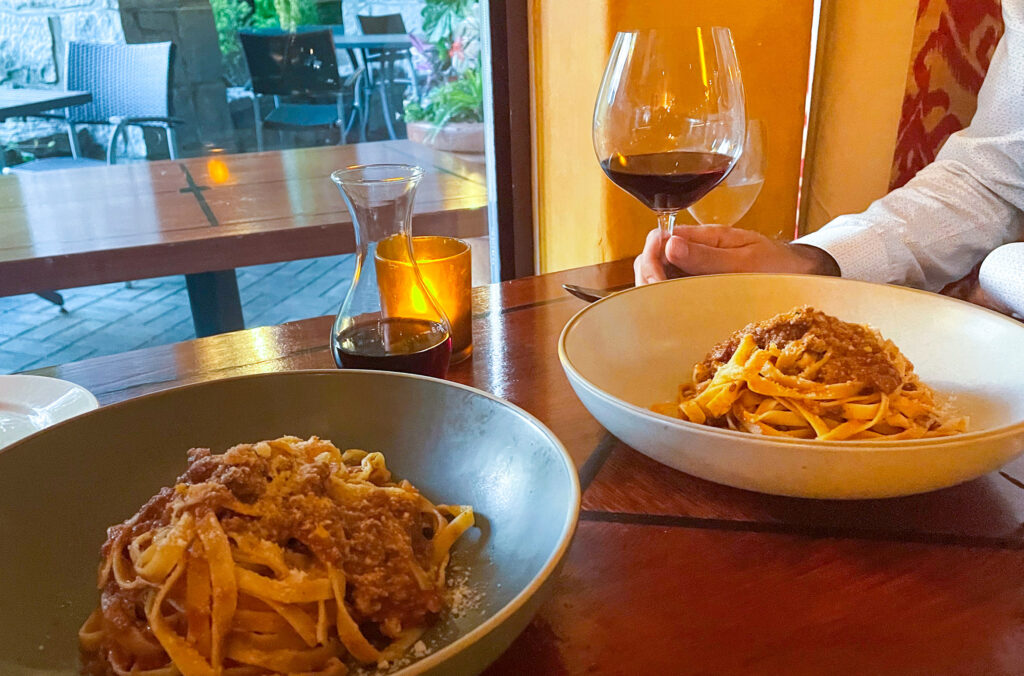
x: 719, y: 236
x: 648, y: 266
x: 700, y: 259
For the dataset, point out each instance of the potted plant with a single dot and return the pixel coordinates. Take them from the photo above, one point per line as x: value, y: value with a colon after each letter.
x: 449, y: 114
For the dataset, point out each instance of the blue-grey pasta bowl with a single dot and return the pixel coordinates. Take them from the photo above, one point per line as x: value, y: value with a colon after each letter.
x: 62, y: 487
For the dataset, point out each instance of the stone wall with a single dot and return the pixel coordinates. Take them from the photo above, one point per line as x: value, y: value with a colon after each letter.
x: 32, y: 38
x: 198, y: 94
x: 33, y: 34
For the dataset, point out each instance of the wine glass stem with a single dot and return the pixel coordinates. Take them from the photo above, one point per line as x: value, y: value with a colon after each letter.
x: 666, y: 222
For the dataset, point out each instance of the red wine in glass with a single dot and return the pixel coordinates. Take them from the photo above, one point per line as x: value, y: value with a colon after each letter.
x: 670, y: 116
x: 395, y: 344
x: 668, y: 181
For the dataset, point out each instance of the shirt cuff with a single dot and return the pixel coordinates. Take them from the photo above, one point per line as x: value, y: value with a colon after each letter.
x: 859, y: 251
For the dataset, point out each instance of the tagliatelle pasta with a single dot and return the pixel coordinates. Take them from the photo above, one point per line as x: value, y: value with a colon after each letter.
x: 808, y: 375
x: 281, y: 557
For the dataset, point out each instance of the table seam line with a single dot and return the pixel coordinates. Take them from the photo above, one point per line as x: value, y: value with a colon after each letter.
x: 595, y: 462
x: 196, y: 193
x: 517, y: 308
x: 699, y: 523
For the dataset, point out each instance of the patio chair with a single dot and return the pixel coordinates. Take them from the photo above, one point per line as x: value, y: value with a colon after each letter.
x: 130, y: 86
x: 388, y: 59
x: 298, y: 72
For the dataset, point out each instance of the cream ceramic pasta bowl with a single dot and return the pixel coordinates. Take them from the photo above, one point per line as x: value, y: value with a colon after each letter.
x: 633, y: 349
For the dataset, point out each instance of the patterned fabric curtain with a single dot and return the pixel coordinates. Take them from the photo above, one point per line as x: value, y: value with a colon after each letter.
x: 953, y: 45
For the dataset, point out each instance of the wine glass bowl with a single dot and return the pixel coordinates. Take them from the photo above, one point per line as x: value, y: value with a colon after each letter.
x: 670, y: 119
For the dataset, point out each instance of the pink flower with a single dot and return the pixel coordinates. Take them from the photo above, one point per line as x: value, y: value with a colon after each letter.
x: 456, y: 50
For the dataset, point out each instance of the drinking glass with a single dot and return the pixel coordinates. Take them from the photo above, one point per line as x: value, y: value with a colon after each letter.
x: 446, y: 266
x: 371, y: 332
x: 733, y: 197
x: 670, y: 117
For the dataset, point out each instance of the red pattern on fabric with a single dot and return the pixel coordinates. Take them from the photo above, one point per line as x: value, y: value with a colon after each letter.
x: 953, y: 45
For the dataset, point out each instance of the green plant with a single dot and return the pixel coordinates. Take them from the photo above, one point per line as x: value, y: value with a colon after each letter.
x: 295, y: 13
x: 452, y: 28
x: 230, y: 16
x: 459, y: 100
x: 264, y: 15
x: 440, y: 17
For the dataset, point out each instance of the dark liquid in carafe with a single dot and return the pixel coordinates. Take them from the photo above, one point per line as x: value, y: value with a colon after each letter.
x: 395, y: 344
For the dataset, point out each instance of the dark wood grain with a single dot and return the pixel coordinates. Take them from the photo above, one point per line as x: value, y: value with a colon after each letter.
x: 78, y: 227
x: 988, y: 509
x: 670, y: 574
x: 651, y: 600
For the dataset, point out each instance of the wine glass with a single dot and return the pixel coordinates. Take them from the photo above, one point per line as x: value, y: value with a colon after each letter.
x: 733, y: 197
x: 670, y: 117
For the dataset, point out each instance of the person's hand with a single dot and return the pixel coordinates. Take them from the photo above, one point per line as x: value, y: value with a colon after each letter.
x: 710, y: 249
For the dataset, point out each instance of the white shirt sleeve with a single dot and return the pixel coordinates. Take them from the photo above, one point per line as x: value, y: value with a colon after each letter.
x: 942, y: 223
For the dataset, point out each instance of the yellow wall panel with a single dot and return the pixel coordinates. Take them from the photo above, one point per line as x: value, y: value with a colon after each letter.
x: 582, y: 217
x: 861, y: 78
x: 568, y: 48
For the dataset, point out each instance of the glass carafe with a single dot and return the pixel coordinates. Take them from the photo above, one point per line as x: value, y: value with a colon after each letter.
x: 386, y: 327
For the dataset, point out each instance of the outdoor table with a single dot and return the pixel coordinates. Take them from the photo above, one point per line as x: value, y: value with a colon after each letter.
x: 21, y: 102
x: 669, y: 574
x: 381, y: 41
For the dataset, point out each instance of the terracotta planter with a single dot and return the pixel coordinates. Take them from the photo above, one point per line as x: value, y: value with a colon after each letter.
x: 459, y: 137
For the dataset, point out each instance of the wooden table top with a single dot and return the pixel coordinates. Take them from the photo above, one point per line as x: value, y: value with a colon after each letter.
x: 670, y: 574
x: 28, y: 101
x: 63, y: 229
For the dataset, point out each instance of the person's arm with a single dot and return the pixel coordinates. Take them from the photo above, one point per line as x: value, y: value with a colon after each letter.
x: 936, y: 228
x: 930, y: 232
x: 710, y: 249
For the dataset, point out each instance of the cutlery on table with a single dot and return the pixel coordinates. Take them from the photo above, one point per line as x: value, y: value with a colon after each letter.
x: 589, y: 294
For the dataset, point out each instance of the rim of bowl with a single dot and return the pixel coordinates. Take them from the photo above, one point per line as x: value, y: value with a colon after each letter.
x: 52, y: 382
x: 859, y: 444
x: 505, y: 612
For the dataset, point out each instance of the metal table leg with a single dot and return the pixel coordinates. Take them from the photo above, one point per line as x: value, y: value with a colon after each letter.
x: 216, y: 304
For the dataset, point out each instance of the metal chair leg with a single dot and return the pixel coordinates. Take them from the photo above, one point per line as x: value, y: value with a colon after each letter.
x: 364, y: 123
x: 412, y: 79
x: 119, y: 129
x: 257, y: 122
x: 73, y: 139
x: 386, y: 109
x: 172, y: 142
x: 54, y: 298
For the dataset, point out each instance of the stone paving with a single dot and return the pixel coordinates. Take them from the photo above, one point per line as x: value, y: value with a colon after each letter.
x: 113, y: 318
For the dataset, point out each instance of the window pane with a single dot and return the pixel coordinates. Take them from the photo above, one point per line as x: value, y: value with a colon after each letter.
x: 159, y: 153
